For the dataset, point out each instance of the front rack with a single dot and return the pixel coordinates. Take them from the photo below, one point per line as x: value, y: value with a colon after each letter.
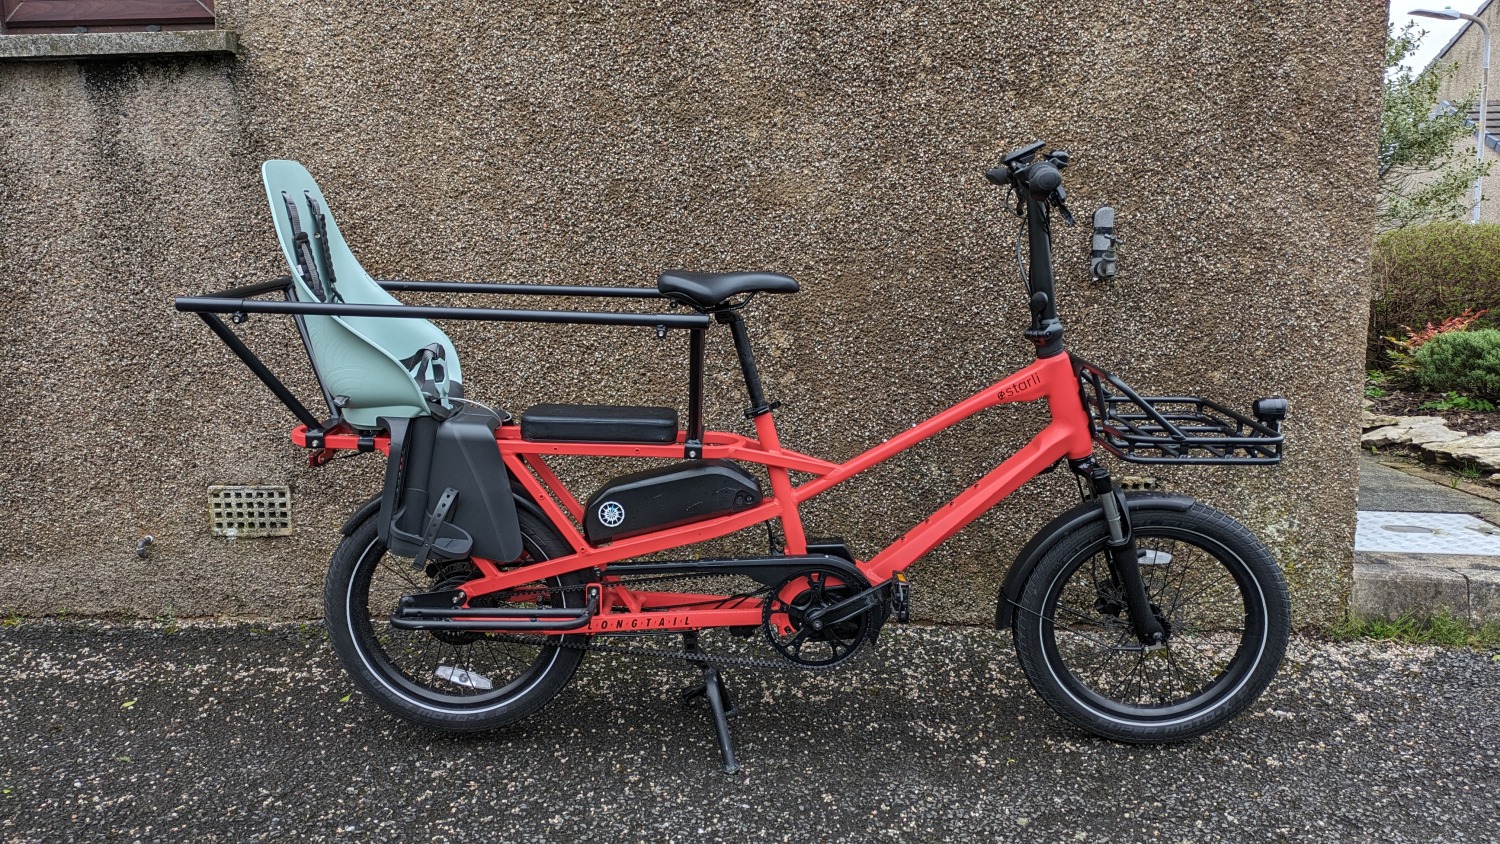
x: 1177, y: 429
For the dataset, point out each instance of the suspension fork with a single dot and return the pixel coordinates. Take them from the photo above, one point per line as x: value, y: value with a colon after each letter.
x: 1124, y: 561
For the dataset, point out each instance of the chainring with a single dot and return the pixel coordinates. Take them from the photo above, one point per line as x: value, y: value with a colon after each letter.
x: 785, y: 612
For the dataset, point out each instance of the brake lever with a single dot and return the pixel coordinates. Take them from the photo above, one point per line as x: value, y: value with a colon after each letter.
x: 1067, y: 215
x: 1060, y: 199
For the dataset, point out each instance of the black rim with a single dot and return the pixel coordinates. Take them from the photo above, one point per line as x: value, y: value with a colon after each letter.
x: 1209, y: 601
x: 445, y: 668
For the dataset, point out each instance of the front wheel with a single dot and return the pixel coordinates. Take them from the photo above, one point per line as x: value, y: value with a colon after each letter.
x: 450, y: 680
x: 1215, y: 590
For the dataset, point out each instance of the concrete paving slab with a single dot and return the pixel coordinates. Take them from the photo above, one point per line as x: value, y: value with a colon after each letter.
x: 1383, y: 487
x: 1425, y: 533
x: 1455, y: 562
x: 1397, y: 572
x: 1484, y: 595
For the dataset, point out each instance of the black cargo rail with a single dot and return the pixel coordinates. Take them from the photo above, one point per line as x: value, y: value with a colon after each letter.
x: 241, y: 302
x: 1173, y: 429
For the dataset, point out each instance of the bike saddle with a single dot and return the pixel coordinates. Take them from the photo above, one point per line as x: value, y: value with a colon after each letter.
x: 709, y: 290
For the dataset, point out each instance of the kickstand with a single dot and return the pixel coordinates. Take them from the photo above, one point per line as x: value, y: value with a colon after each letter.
x: 716, y: 693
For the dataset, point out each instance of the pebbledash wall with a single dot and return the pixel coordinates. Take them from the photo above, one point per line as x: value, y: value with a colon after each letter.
x: 599, y: 143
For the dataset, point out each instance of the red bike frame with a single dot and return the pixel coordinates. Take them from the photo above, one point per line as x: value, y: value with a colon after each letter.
x: 1067, y: 435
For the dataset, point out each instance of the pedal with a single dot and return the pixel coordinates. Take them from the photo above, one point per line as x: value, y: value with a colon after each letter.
x: 900, y: 597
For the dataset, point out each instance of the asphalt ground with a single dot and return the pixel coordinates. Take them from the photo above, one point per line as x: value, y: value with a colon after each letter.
x: 245, y: 733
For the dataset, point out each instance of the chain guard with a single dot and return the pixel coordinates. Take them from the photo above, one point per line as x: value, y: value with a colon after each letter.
x: 785, y: 610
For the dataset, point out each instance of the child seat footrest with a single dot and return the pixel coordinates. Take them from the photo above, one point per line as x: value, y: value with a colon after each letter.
x: 447, y: 495
x: 599, y: 423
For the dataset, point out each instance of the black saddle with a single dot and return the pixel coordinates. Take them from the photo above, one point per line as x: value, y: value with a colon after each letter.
x: 709, y: 290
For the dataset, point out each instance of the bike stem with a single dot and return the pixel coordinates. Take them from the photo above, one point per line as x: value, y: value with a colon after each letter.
x: 1046, y: 331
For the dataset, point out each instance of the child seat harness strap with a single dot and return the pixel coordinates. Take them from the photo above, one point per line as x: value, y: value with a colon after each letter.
x: 306, y: 264
x: 320, y: 234
x: 428, y: 367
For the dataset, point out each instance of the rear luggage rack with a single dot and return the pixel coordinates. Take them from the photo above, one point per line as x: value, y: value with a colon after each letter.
x: 1177, y: 429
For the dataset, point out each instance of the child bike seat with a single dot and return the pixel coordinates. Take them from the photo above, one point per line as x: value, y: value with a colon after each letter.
x: 374, y: 366
x: 709, y: 290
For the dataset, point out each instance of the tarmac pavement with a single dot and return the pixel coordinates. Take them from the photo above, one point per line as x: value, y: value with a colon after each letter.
x: 244, y: 733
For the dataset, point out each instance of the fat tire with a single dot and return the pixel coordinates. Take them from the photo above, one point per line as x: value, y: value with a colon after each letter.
x: 1220, y: 541
x: 355, y: 636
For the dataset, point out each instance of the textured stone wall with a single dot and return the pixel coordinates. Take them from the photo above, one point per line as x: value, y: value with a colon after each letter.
x: 602, y: 142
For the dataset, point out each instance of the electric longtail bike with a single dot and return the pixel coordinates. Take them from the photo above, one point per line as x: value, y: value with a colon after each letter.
x: 465, y: 594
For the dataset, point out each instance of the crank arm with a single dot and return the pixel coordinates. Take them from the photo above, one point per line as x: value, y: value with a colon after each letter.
x: 846, y: 609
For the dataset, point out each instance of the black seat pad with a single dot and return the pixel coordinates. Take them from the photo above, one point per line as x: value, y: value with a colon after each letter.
x: 598, y: 423
x: 707, y: 290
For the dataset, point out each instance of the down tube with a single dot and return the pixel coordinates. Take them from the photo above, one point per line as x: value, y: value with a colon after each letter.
x: 1046, y: 448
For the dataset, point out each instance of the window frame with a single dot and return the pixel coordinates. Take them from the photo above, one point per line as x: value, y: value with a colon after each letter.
x: 27, y: 17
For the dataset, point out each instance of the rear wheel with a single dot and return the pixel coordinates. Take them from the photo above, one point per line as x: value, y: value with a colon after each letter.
x: 1211, y: 584
x: 450, y: 680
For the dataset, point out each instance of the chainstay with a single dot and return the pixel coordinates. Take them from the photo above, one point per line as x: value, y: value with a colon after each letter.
x: 700, y: 658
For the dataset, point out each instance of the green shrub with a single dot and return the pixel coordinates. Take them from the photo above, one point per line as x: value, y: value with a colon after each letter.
x: 1427, y: 273
x: 1466, y: 362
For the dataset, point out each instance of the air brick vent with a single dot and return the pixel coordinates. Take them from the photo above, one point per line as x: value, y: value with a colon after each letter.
x: 242, y: 512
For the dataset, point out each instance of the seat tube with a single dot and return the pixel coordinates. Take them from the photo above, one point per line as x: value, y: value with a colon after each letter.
x: 781, y: 486
x: 762, y: 412
x: 693, y: 447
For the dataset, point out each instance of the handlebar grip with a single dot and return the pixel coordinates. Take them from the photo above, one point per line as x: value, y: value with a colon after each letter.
x: 1043, y: 178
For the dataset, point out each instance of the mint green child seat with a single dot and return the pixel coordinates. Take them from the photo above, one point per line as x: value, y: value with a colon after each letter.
x: 372, y: 366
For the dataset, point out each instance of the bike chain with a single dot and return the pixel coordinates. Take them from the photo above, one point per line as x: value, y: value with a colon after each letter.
x: 699, y: 658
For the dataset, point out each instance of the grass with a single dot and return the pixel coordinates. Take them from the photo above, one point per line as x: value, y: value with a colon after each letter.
x: 167, y: 620
x: 1444, y: 628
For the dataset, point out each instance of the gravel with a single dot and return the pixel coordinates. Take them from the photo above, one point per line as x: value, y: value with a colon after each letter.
x: 246, y: 733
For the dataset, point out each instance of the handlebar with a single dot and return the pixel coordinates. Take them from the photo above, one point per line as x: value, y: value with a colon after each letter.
x: 1039, y: 178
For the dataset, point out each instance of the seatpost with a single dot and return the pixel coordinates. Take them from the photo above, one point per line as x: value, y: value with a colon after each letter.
x: 693, y: 448
x: 758, y: 404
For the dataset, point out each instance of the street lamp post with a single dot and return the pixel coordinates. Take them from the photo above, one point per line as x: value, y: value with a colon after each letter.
x: 1484, y: 103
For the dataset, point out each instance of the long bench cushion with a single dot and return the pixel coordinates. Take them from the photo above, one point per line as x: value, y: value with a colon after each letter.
x: 599, y: 423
